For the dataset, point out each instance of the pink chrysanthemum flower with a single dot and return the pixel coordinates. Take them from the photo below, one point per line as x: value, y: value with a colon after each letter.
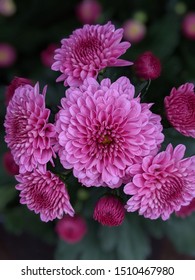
x: 88, y: 11
x: 162, y: 183
x: 102, y: 130
x: 71, y: 229
x: 89, y: 50
x: 186, y: 210
x: 28, y: 133
x: 188, y: 26
x: 180, y: 109
x: 15, y: 83
x: 134, y: 31
x: 109, y: 211
x: 45, y: 194
x: 7, y: 7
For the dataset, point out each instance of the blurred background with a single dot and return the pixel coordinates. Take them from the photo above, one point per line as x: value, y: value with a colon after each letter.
x: 30, y: 31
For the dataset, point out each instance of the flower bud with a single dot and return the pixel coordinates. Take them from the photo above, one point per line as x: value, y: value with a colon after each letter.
x: 147, y: 66
x: 109, y: 211
x: 71, y: 229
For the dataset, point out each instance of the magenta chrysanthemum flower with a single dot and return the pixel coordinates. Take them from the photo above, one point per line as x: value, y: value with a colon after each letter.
x: 28, y: 133
x: 109, y: 211
x: 89, y: 50
x: 102, y: 130
x: 180, y: 109
x: 45, y: 194
x: 71, y: 229
x: 162, y: 183
x: 186, y: 210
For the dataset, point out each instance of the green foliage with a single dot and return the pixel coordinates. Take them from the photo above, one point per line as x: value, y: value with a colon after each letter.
x: 19, y: 219
x: 180, y: 231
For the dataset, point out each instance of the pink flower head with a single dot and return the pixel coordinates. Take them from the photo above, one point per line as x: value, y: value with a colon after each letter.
x: 47, y: 55
x: 89, y: 50
x: 44, y: 193
x: 71, y: 229
x: 134, y: 31
x: 188, y: 26
x: 109, y: 211
x: 102, y: 130
x: 7, y: 7
x: 162, y: 183
x: 147, y: 66
x: 180, y: 109
x: 28, y: 133
x: 186, y: 210
x: 88, y: 11
x: 9, y: 164
x: 15, y: 83
x: 7, y: 55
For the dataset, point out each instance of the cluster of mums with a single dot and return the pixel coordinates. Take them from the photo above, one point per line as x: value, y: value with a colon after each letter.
x: 102, y: 132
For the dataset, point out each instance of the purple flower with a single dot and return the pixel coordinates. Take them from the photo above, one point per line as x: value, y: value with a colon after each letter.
x: 180, y: 108
x: 162, y: 183
x: 28, y: 133
x: 89, y: 50
x: 102, y: 130
x: 45, y: 194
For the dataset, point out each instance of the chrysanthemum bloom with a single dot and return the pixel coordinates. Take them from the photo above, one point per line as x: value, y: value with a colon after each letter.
x: 15, y: 83
x: 45, y: 194
x: 147, y: 66
x: 7, y: 7
x: 134, y: 31
x: 9, y: 164
x: 71, y: 229
x: 7, y: 55
x: 102, y: 130
x: 186, y: 210
x: 188, y: 26
x: 47, y: 55
x: 162, y: 183
x: 28, y: 133
x: 109, y: 211
x: 180, y: 109
x: 88, y: 11
x: 89, y: 50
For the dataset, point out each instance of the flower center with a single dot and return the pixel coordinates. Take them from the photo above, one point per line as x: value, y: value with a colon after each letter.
x: 106, y: 140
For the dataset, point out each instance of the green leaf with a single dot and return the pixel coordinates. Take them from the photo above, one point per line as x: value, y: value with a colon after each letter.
x: 7, y: 194
x: 155, y: 228
x: 164, y: 35
x: 87, y: 249
x: 108, y: 237
x: 181, y: 233
x: 19, y: 219
x: 133, y: 242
